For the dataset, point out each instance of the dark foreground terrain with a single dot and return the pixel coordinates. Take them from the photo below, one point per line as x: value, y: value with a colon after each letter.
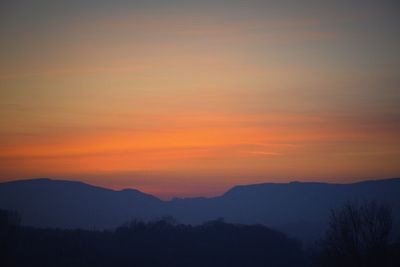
x: 359, y: 236
x: 159, y: 243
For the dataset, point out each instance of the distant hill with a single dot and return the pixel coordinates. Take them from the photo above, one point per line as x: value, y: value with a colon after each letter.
x: 70, y: 204
x: 301, y: 209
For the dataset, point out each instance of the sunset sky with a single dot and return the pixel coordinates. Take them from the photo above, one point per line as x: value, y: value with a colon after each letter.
x: 188, y: 98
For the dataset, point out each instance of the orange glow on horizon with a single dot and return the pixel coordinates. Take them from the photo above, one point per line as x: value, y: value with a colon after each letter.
x: 190, y: 100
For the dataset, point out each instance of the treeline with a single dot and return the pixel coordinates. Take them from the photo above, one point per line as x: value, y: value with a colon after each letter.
x: 358, y: 236
x: 159, y: 243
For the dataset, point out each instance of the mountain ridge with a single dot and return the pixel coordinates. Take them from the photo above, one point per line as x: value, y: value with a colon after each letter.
x: 47, y: 202
x: 233, y: 188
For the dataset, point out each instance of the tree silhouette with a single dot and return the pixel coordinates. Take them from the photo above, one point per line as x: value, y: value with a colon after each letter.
x: 358, y: 236
x: 152, y: 244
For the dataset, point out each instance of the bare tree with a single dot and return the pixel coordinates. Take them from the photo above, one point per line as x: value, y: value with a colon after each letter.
x: 358, y: 235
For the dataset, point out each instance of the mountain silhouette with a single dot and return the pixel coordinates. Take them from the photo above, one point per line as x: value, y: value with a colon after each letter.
x: 71, y: 204
x: 299, y: 208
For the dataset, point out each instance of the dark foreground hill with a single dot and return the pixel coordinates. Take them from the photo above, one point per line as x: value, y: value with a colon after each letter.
x: 215, y: 243
x: 157, y: 244
x: 300, y: 209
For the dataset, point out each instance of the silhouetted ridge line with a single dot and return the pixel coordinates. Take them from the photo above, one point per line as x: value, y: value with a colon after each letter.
x: 299, y: 208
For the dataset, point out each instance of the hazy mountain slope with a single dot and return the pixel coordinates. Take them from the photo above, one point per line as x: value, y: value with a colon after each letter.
x: 298, y: 208
x: 281, y: 203
x: 55, y: 203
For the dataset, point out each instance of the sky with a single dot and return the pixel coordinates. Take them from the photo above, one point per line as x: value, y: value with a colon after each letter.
x: 188, y: 98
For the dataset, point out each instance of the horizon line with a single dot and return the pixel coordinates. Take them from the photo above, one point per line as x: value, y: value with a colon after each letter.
x: 53, y: 179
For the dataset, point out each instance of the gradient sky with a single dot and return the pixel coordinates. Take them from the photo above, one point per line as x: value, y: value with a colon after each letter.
x: 187, y: 98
